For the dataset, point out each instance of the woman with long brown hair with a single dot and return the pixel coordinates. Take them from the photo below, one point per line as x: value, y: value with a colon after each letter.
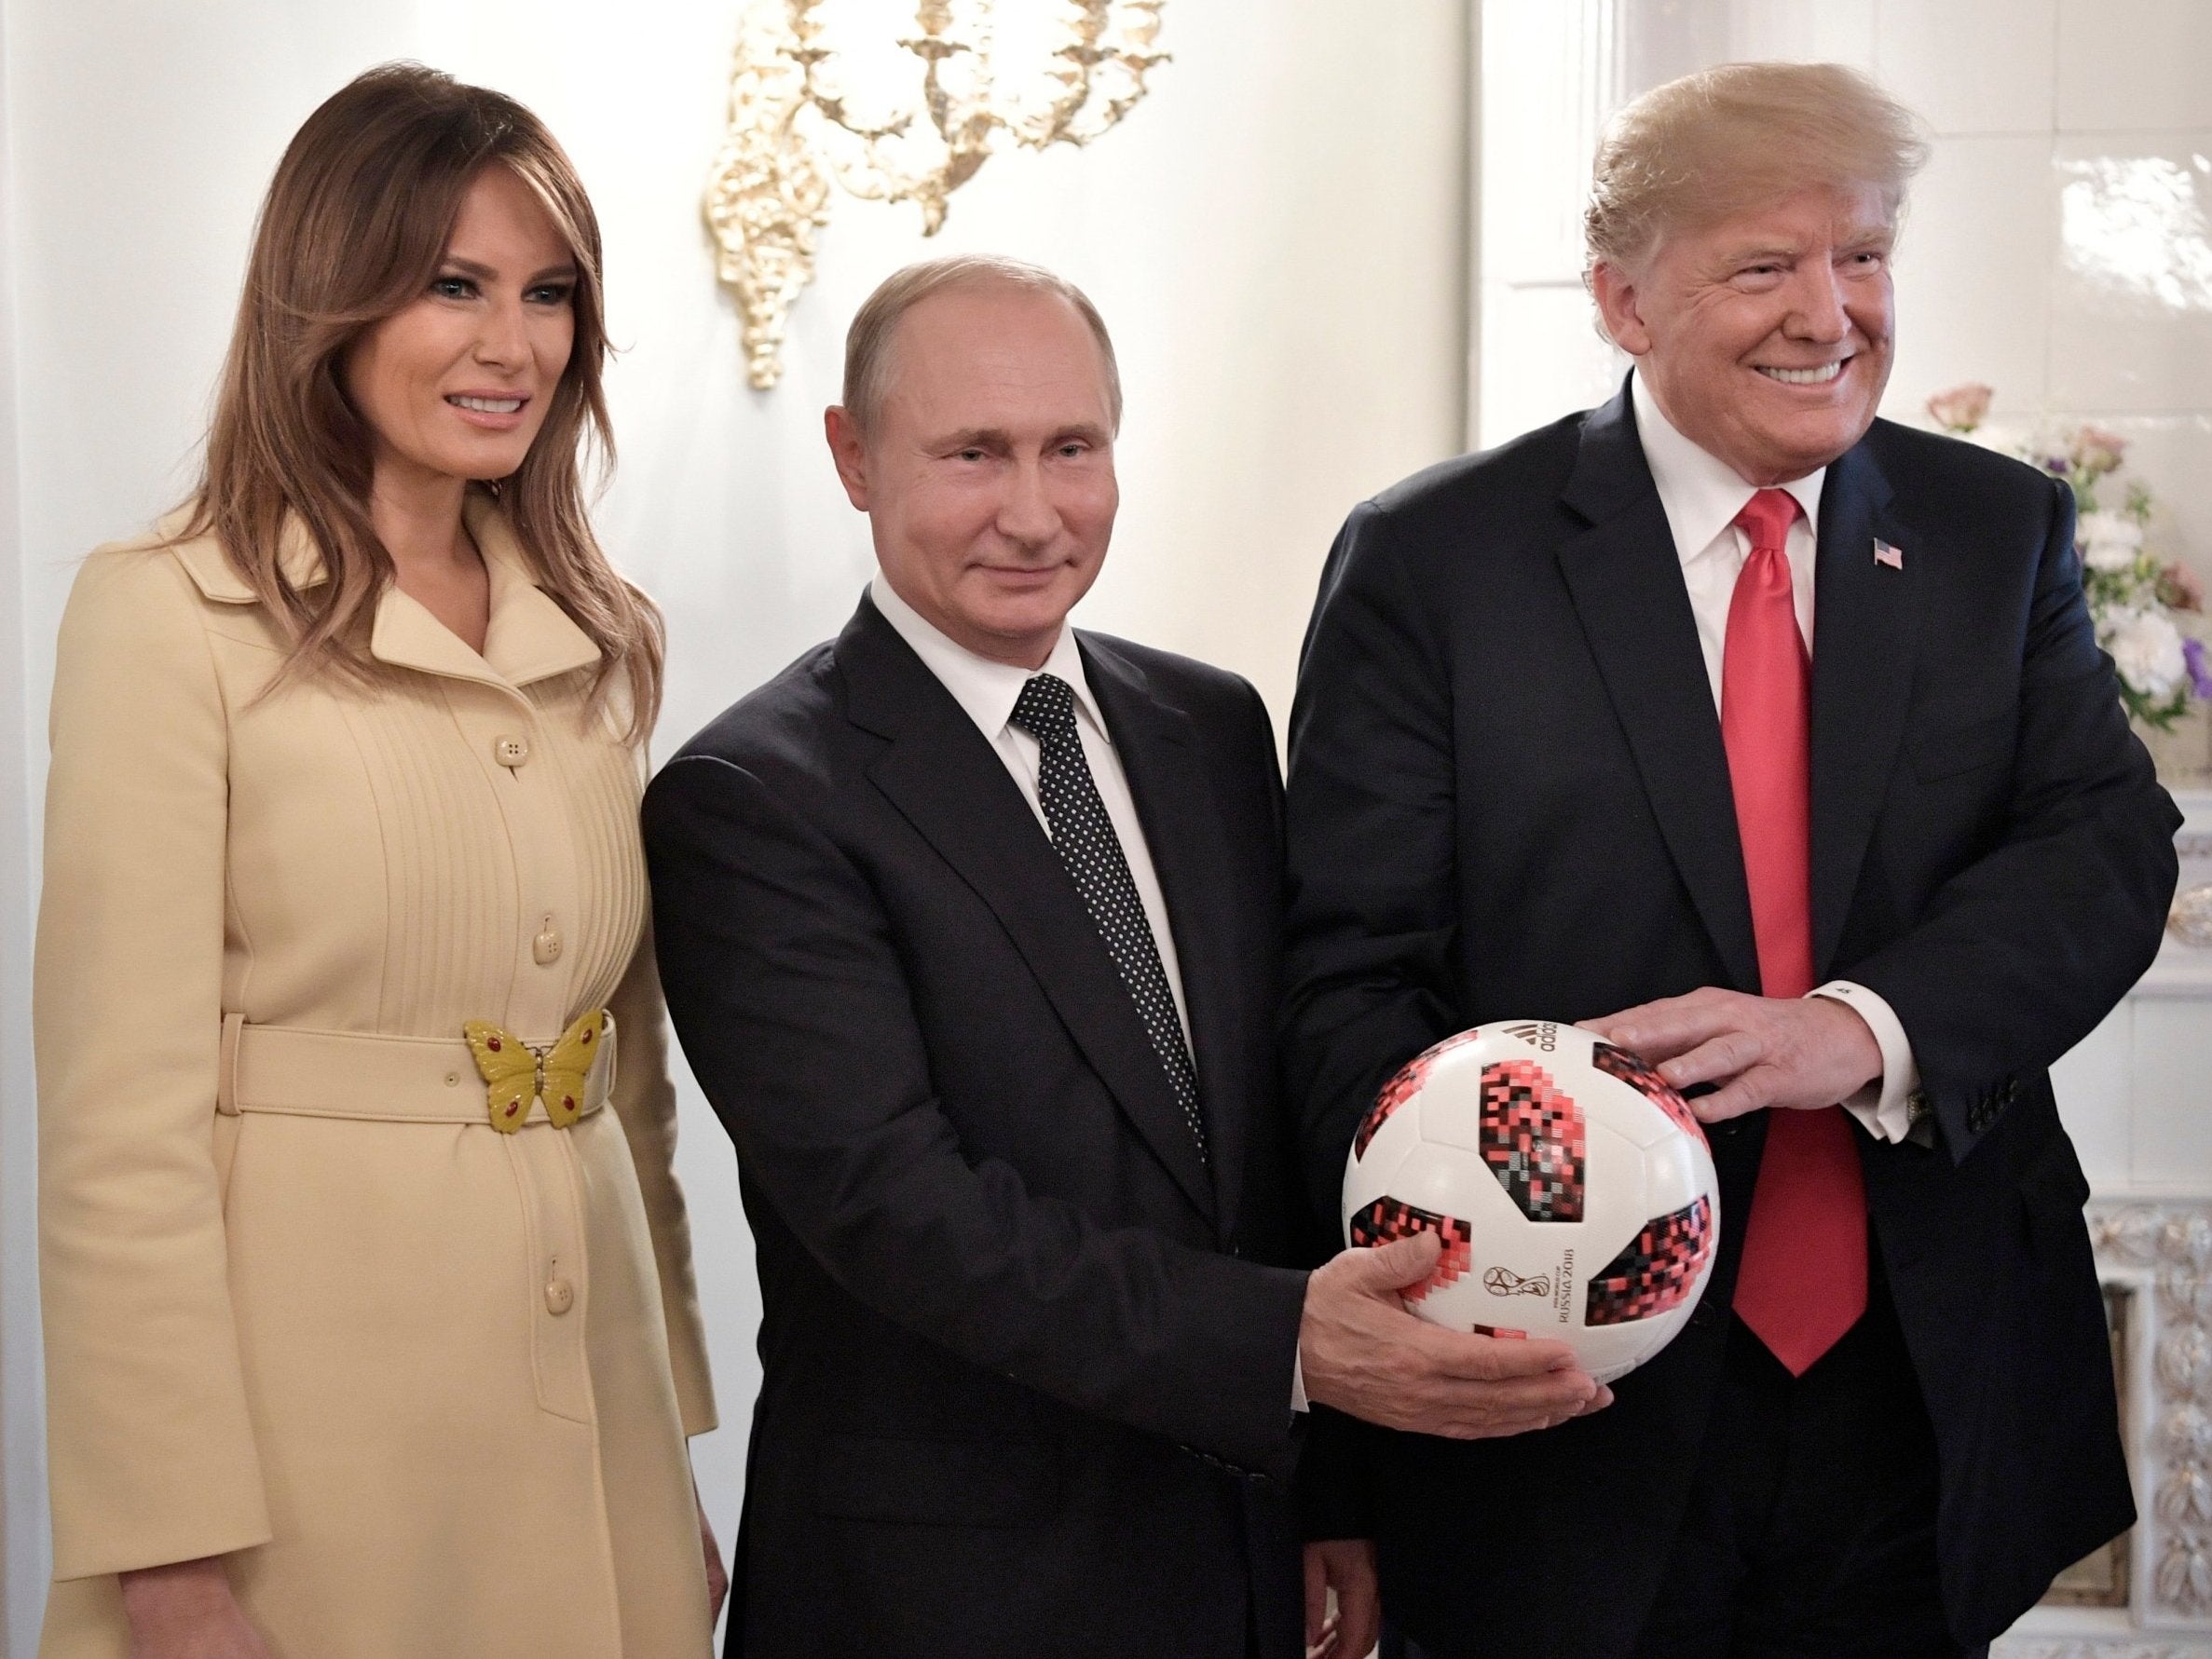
x: 369, y: 1316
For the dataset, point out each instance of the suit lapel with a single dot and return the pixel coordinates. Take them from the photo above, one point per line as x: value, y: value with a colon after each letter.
x: 1861, y: 679
x: 1158, y: 750
x: 945, y: 778
x: 1625, y: 579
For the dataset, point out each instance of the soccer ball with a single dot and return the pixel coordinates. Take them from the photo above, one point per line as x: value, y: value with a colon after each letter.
x: 1574, y: 1190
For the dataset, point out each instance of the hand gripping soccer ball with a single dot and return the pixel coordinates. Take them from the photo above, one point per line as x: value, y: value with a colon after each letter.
x: 1572, y: 1188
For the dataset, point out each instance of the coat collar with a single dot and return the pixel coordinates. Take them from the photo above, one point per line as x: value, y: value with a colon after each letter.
x: 530, y: 637
x: 987, y: 690
x: 1861, y: 682
x: 211, y: 572
x: 945, y: 778
x: 1626, y: 581
x: 1701, y: 493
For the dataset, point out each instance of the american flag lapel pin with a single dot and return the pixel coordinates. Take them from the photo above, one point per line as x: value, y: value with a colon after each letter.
x: 1887, y: 553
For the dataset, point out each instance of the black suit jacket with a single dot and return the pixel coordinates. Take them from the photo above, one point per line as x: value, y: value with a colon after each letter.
x: 1509, y: 798
x: 1024, y: 1365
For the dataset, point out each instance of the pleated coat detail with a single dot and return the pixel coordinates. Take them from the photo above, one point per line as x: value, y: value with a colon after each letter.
x: 430, y: 1382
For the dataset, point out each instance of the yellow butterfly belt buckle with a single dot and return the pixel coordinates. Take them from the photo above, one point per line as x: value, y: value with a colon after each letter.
x: 516, y: 1072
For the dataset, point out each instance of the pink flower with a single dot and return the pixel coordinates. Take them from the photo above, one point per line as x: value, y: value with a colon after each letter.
x: 2097, y: 451
x: 1962, y: 408
x: 2179, y: 589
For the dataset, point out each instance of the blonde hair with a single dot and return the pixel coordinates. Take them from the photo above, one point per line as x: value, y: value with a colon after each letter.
x: 869, y: 341
x: 352, y: 230
x: 1705, y: 147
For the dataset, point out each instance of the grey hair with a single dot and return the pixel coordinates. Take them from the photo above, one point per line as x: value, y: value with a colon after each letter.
x: 869, y: 341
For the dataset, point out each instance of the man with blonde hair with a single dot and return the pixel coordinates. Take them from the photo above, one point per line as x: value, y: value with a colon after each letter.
x: 1772, y: 741
x: 970, y: 925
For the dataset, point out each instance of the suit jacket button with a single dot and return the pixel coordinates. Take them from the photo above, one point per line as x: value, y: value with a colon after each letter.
x: 510, y: 752
x: 560, y: 1295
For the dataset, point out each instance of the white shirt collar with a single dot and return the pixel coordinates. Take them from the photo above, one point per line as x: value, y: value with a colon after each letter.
x: 986, y: 690
x: 1701, y: 493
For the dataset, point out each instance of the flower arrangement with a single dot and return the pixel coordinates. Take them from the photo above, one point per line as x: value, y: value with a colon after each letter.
x: 2133, y: 597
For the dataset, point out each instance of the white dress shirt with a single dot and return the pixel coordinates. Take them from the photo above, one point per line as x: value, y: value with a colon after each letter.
x: 987, y: 692
x: 1702, y: 494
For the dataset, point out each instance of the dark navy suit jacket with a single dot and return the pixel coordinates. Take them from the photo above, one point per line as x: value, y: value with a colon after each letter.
x: 1026, y: 1368
x: 1509, y: 798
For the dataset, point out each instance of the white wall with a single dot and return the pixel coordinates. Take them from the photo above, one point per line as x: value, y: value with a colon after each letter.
x: 2075, y: 166
x: 20, y: 1548
x: 2058, y: 247
x: 1275, y: 236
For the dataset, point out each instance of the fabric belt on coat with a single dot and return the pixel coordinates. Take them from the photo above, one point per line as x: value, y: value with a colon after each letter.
x: 392, y: 1079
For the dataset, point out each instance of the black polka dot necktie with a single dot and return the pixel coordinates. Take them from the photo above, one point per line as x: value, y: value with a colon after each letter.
x: 1083, y: 837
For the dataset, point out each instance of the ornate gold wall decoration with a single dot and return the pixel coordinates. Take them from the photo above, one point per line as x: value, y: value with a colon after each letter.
x: 897, y: 102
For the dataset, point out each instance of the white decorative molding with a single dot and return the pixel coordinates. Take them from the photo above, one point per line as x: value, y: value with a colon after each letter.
x: 2159, y: 1249
x: 2166, y: 1249
x: 2132, y: 1097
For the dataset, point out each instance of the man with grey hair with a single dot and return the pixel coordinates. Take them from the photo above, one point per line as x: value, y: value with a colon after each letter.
x: 970, y: 927
x: 1771, y: 742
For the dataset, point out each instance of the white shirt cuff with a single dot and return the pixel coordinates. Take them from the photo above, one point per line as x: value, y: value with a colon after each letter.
x: 1298, y: 1399
x: 1884, y: 1104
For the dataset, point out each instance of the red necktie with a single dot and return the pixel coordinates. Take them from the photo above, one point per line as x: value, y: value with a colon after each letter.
x: 1803, y: 1280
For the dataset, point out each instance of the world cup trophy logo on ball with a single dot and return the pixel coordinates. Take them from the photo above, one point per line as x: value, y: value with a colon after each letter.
x: 1573, y: 1188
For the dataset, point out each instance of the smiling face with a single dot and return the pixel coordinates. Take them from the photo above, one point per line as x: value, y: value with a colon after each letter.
x: 456, y: 384
x: 988, y: 472
x: 1767, y: 338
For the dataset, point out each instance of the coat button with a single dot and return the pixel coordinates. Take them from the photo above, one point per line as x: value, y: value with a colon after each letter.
x: 510, y: 752
x: 545, y: 950
x: 560, y: 1295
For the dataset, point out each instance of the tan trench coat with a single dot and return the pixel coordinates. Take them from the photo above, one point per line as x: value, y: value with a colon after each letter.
x: 430, y: 1381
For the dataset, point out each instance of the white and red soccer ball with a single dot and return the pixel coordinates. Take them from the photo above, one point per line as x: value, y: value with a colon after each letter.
x: 1574, y: 1190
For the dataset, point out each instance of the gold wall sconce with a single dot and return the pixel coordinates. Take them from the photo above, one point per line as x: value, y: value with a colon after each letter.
x: 897, y: 100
